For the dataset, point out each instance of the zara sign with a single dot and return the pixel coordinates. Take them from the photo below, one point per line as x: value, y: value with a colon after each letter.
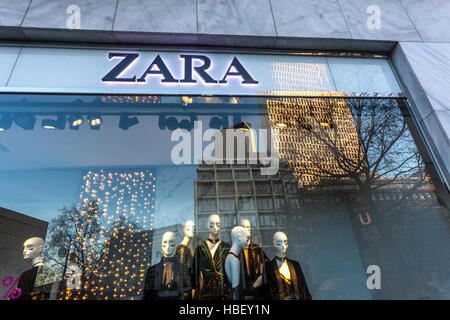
x: 173, y: 72
x: 193, y: 64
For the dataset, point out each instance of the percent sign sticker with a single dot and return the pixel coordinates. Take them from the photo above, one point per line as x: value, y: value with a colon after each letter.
x: 13, y: 292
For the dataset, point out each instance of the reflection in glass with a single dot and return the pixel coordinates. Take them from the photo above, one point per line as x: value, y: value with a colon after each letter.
x: 354, y: 188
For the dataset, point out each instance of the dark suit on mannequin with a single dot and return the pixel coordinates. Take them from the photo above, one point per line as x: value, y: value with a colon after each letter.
x: 281, y: 288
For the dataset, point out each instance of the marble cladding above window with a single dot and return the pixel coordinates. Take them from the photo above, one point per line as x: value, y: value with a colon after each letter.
x: 129, y: 20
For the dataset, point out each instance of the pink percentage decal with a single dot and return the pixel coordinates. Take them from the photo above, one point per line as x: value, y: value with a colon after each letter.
x: 13, y: 291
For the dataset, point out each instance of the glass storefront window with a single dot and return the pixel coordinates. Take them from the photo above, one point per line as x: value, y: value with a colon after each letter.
x: 118, y: 197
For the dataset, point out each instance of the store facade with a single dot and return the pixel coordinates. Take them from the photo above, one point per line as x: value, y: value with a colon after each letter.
x: 140, y: 158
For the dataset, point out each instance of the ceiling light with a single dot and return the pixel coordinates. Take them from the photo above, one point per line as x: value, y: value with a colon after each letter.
x: 75, y: 121
x: 186, y: 100
x: 95, y: 121
x: 50, y: 124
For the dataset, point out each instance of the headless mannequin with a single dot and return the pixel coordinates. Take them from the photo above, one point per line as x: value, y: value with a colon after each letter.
x: 240, y: 239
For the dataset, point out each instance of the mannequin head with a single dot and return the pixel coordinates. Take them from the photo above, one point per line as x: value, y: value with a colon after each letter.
x: 214, y: 225
x: 189, y: 229
x: 32, y: 248
x: 280, y: 243
x: 240, y: 237
x: 246, y: 224
x: 168, y: 244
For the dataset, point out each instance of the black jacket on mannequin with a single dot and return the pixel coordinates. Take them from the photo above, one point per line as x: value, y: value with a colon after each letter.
x: 161, y: 280
x: 280, y: 288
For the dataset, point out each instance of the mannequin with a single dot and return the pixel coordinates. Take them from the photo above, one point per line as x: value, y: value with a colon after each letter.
x: 161, y: 279
x: 240, y: 238
x: 168, y: 244
x: 285, y: 276
x: 185, y: 245
x: 247, y: 225
x: 208, y: 277
x: 253, y: 259
x: 32, y: 250
x: 185, y: 256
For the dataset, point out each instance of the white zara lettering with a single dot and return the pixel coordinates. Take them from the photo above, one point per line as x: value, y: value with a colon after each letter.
x: 158, y: 67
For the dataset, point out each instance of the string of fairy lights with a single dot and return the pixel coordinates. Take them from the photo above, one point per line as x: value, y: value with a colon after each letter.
x: 126, y: 202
